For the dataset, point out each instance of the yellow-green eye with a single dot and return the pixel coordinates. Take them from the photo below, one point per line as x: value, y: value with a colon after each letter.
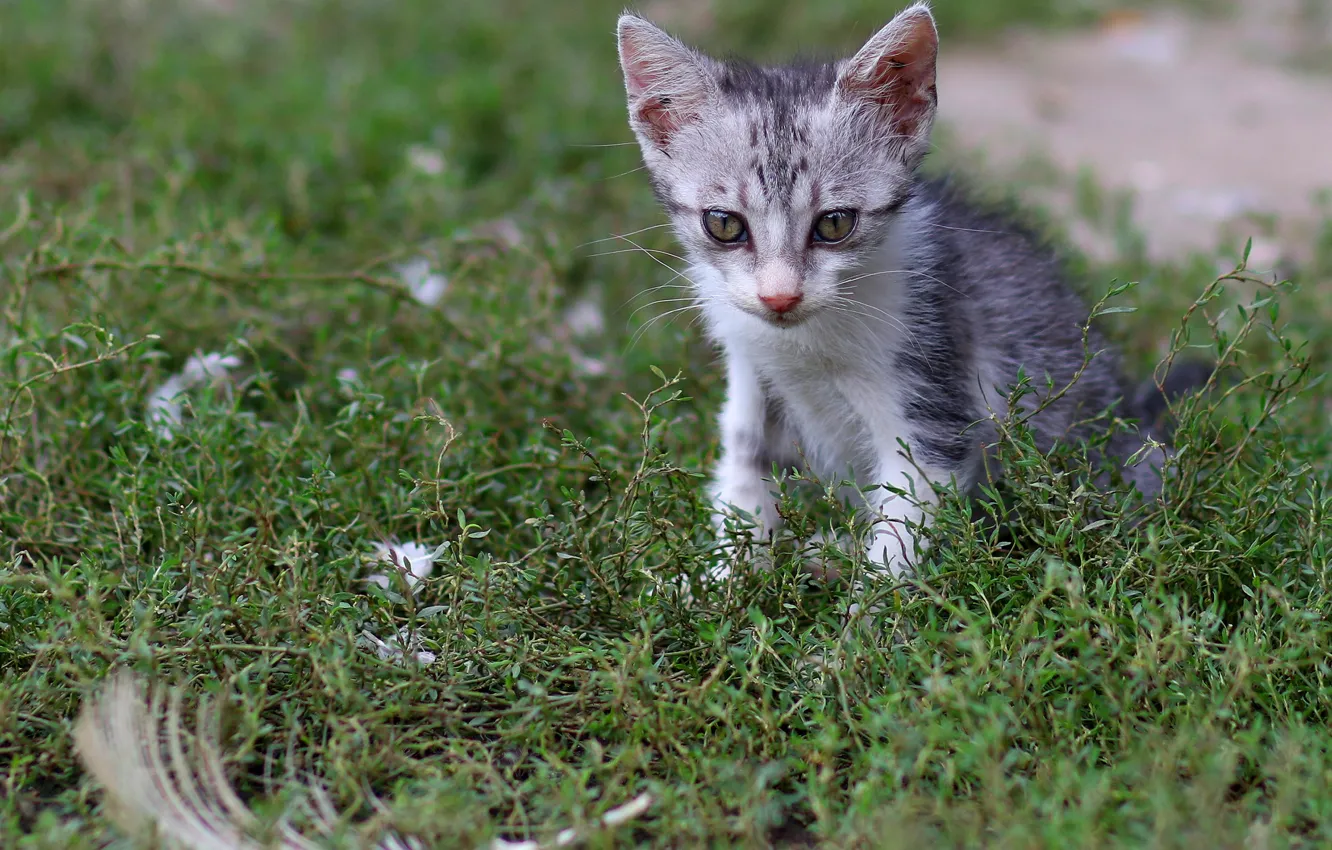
x: 834, y: 226
x: 726, y: 227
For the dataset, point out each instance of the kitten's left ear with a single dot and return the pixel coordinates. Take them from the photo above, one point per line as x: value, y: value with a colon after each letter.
x: 893, y: 74
x: 667, y: 83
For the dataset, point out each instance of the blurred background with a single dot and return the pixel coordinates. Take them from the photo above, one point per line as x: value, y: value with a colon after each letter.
x: 1213, y: 114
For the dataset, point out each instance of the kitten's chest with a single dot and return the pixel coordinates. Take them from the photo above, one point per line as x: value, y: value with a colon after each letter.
x: 832, y: 403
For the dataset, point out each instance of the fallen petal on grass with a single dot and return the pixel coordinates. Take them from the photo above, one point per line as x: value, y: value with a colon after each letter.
x: 412, y: 559
x: 567, y: 837
x: 393, y: 648
x: 425, y: 160
x: 164, y: 405
x: 425, y: 286
x: 592, y: 367
x: 585, y: 317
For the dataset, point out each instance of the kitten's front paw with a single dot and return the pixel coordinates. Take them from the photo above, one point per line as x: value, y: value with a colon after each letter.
x: 891, y: 548
x: 736, y: 546
x: 738, y: 532
x: 723, y: 560
x: 820, y: 554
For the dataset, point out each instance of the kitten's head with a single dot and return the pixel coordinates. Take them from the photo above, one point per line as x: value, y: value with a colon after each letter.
x: 781, y: 181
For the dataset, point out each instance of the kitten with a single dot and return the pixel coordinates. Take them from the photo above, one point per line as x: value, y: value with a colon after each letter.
x: 868, y: 317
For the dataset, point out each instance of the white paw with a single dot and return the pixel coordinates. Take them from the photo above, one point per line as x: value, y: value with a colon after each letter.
x: 821, y: 563
x: 731, y: 553
x: 891, y: 548
x: 720, y: 569
x: 740, y: 533
x: 754, y: 508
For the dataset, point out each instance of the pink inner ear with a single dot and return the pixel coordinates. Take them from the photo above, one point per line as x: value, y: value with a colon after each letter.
x: 883, y: 82
x: 905, y: 70
x: 636, y: 76
x: 660, y: 123
x: 666, y: 88
x: 644, y: 73
x: 895, y: 71
x: 902, y: 79
x: 647, y: 58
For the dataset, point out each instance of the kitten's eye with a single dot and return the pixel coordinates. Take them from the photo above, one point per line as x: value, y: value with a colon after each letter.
x: 726, y: 227
x: 834, y: 226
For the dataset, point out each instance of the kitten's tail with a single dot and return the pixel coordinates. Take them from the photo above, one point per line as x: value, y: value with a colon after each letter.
x: 1151, y: 402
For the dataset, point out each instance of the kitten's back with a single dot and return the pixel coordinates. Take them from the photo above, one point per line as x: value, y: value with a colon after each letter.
x: 1022, y: 310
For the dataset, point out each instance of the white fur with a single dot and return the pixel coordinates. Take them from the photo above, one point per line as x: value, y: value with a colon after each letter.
x: 834, y: 376
x: 830, y: 360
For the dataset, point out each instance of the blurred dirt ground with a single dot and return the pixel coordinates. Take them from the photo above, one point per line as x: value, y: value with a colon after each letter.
x: 1211, y: 124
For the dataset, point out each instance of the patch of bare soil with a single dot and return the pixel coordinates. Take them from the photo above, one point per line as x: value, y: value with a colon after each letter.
x: 1206, y: 122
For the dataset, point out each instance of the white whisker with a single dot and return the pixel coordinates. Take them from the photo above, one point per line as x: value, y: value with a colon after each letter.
x: 646, y: 292
x: 656, y: 259
x: 965, y: 229
x: 623, y: 235
x: 622, y: 174
x: 643, y: 329
x: 660, y: 302
x: 909, y: 272
x: 648, y: 251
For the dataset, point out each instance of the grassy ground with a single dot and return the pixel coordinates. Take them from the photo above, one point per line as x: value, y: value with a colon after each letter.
x: 177, y: 177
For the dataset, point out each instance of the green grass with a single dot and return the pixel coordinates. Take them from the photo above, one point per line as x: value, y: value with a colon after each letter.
x: 176, y: 180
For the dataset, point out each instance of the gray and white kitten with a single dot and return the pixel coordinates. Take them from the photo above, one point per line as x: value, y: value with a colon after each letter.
x: 869, y: 318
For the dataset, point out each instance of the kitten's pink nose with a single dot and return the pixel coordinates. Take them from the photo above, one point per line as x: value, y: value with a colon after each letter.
x: 781, y: 303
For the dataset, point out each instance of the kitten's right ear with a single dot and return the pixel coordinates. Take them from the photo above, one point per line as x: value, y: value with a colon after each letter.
x: 893, y: 76
x: 666, y: 82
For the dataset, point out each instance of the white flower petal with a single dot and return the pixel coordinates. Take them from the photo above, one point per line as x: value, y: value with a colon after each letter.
x: 629, y: 811
x: 590, y: 366
x: 431, y: 290
x: 393, y: 648
x: 164, y: 407
x: 585, y: 318
x: 414, y: 559
x: 426, y: 160
x: 569, y: 836
x: 425, y: 287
